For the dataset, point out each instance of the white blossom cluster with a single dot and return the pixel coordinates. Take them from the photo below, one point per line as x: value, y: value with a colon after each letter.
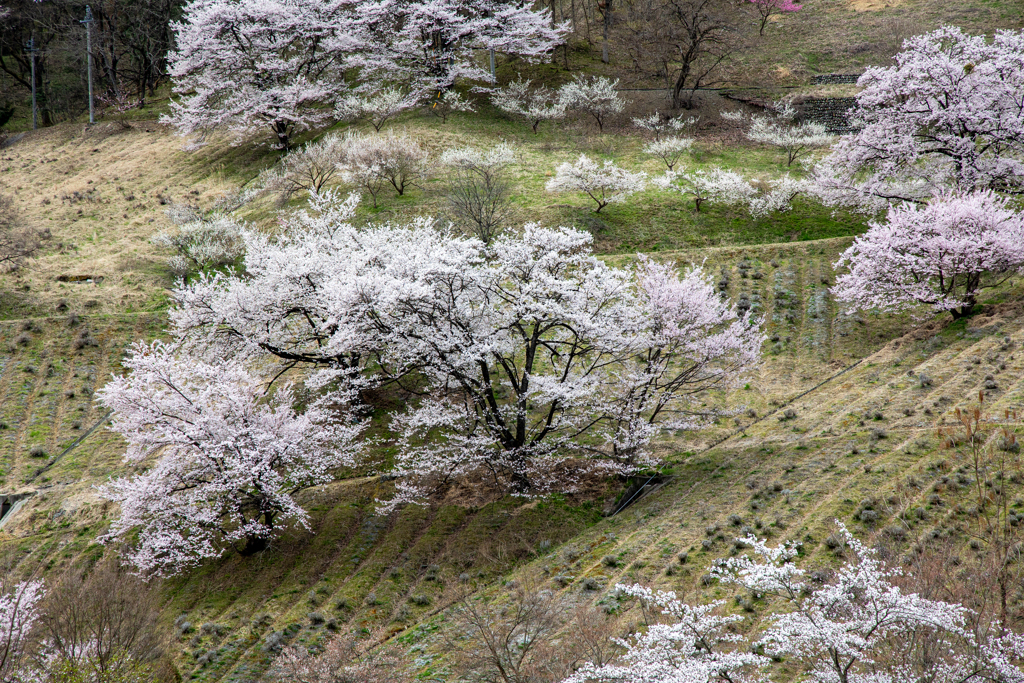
x: 228, y: 456
x: 782, y: 130
x: 377, y: 107
x: 595, y: 97
x: 940, y: 255
x: 859, y: 627
x: 659, y: 125
x: 533, y: 105
x: 720, y: 186
x: 604, y: 183
x: 200, y: 240
x: 537, y: 363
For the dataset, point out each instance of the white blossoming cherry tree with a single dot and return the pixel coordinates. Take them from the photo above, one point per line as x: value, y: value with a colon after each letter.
x: 715, y: 185
x: 783, y: 131
x: 692, y: 341
x: 658, y: 124
x: 377, y: 107
x: 605, y: 184
x: 941, y: 254
x: 247, y: 65
x: 694, y: 646
x: 533, y: 105
x: 862, y: 627
x: 947, y: 116
x: 595, y: 97
x: 858, y: 626
x: 225, y: 457
x: 669, y: 149
x: 719, y: 186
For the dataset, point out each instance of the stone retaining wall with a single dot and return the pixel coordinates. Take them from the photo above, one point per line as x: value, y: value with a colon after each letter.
x: 834, y: 79
x: 831, y: 111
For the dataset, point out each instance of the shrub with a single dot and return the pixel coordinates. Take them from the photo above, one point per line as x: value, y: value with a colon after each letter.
x: 200, y: 241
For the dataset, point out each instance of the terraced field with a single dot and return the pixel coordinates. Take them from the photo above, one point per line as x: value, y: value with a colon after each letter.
x: 837, y: 413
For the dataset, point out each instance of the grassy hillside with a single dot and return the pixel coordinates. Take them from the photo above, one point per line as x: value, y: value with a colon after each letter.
x: 836, y: 420
x: 394, y: 575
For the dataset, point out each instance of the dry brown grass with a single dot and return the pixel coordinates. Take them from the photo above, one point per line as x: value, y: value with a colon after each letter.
x: 101, y: 192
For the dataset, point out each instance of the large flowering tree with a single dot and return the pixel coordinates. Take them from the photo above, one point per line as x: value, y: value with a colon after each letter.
x: 249, y: 65
x: 947, y: 115
x: 529, y: 352
x: 426, y: 45
x: 538, y: 353
x: 227, y: 457
x: 941, y: 254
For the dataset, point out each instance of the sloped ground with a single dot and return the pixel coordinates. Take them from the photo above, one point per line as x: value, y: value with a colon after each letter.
x: 788, y: 478
x: 107, y: 189
x: 101, y: 192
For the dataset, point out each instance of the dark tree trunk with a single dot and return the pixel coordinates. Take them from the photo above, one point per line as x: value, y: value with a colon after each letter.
x: 281, y: 131
x: 253, y: 546
x: 257, y: 544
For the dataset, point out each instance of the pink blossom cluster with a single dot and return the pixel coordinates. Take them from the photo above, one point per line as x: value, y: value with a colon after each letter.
x: 245, y: 65
x: 947, y: 116
x: 535, y: 360
x: 940, y: 254
x: 224, y: 456
x: 19, y: 610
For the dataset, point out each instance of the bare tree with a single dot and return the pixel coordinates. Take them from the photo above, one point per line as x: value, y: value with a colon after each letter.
x: 102, y: 624
x: 16, y: 241
x: 479, y: 193
x: 991, y: 458
x: 533, y: 637
x: 684, y: 41
x: 130, y: 43
x: 343, y: 660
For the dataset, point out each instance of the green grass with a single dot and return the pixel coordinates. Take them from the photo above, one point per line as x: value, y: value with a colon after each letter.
x: 350, y: 554
x: 651, y: 221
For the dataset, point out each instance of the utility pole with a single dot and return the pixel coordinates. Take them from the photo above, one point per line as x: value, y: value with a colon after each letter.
x: 606, y: 7
x: 493, y: 77
x: 88, y: 50
x: 30, y: 48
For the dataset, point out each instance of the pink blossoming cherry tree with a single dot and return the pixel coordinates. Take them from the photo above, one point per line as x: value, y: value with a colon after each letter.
x: 530, y: 354
x: 941, y: 254
x: 225, y: 458
x: 250, y: 65
x: 947, y: 116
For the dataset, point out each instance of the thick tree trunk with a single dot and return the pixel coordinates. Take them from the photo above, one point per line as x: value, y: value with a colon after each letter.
x: 679, y: 86
x: 281, y: 131
x: 964, y: 311
x: 257, y: 544
x: 254, y: 545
